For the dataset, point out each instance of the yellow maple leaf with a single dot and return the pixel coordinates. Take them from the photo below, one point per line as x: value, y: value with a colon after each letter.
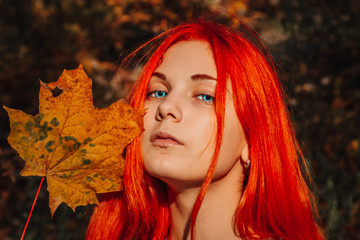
x: 77, y: 147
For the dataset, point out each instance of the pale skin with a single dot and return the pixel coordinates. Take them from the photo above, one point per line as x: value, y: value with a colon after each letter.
x: 179, y: 140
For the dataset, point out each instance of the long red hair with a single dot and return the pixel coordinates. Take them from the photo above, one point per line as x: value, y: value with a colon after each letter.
x: 276, y: 201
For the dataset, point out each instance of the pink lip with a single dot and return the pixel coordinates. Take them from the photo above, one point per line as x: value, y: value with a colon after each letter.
x: 164, y: 139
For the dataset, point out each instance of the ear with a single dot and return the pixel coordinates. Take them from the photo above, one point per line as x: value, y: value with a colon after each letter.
x: 245, y: 153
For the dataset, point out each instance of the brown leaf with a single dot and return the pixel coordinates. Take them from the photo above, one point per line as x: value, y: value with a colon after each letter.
x: 76, y: 146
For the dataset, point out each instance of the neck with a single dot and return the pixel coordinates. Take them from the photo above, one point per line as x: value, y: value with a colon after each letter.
x: 215, y: 218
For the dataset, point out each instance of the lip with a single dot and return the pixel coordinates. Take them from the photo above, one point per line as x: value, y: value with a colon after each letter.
x: 164, y: 139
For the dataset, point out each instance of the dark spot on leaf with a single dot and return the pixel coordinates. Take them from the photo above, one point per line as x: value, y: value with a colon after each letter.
x: 38, y: 119
x: 49, y: 128
x: 103, y: 179
x: 89, y: 179
x: 43, y: 128
x: 86, y: 161
x: 83, y: 150
x: 128, y: 111
x: 48, y: 145
x: 75, y: 146
x: 70, y: 138
x: 87, y: 140
x: 28, y: 126
x: 55, y: 122
x: 42, y: 134
x: 42, y: 156
x: 92, y: 145
x: 96, y: 175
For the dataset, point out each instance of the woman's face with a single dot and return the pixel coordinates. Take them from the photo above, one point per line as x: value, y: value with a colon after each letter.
x: 180, y: 123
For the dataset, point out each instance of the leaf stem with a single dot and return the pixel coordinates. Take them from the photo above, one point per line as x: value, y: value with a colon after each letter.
x: 32, y: 208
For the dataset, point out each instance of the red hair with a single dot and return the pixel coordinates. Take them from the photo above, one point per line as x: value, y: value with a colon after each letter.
x: 276, y: 201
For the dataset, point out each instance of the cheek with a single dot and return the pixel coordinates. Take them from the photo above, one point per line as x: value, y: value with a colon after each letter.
x: 233, y: 142
x: 150, y: 111
x: 201, y: 132
x: 149, y: 119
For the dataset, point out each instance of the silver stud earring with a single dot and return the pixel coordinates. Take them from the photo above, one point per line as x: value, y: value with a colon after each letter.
x: 247, y: 163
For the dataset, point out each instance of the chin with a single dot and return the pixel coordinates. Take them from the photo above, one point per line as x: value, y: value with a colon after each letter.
x: 174, y: 176
x: 161, y: 168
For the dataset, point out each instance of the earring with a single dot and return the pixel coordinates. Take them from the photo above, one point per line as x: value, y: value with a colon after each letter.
x: 247, y: 163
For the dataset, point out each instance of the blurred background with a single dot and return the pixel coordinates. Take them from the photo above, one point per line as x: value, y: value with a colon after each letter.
x: 316, y: 46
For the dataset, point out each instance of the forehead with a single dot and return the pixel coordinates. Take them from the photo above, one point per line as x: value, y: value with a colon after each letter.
x: 189, y: 57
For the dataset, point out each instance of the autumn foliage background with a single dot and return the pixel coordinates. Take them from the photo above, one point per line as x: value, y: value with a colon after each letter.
x: 316, y: 45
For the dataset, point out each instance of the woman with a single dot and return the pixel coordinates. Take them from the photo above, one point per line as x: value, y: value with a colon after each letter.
x: 218, y: 158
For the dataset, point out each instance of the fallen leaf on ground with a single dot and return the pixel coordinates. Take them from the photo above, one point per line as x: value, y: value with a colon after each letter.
x: 77, y: 147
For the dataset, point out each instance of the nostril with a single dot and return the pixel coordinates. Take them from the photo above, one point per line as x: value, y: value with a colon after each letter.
x: 169, y: 109
x: 171, y: 115
x: 159, y: 115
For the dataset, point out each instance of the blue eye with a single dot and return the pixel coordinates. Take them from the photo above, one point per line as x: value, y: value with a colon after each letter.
x: 205, y: 98
x: 157, y: 94
x: 160, y: 94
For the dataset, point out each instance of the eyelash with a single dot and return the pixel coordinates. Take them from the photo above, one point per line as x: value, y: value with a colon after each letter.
x: 152, y: 94
x: 203, y: 97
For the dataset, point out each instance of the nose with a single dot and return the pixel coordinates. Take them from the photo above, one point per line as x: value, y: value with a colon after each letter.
x: 170, y: 108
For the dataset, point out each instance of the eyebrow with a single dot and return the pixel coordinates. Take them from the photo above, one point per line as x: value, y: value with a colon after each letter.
x: 202, y: 77
x: 194, y: 77
x: 159, y: 75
